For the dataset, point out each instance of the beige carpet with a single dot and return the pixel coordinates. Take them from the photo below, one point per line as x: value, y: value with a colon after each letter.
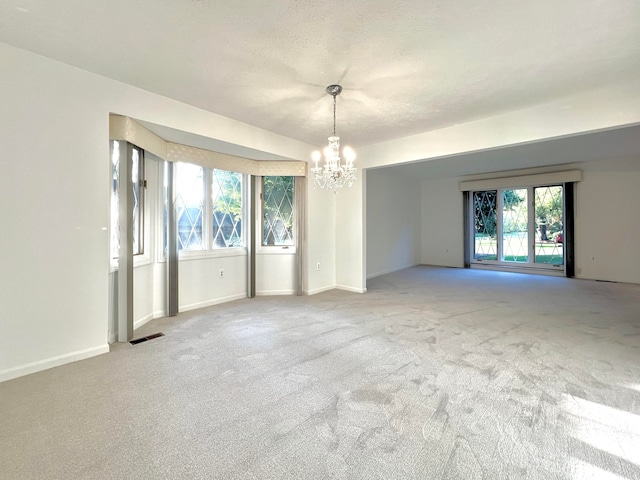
x: 433, y: 374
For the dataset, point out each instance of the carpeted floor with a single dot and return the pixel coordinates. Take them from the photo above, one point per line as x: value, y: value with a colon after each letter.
x: 433, y: 374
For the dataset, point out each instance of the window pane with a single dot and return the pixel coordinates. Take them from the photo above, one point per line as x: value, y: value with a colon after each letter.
x: 137, y: 184
x: 137, y: 199
x: 484, y: 214
x: 189, y: 188
x: 226, y: 194
x: 515, y: 220
x: 115, y: 203
x: 549, y: 225
x: 165, y: 210
x: 277, y: 194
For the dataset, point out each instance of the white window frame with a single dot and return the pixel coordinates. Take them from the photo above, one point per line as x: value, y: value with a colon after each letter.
x: 259, y: 226
x: 145, y: 257
x: 209, y: 250
x: 504, y: 264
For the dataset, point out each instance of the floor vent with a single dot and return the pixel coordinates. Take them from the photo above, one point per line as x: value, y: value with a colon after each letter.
x: 144, y: 339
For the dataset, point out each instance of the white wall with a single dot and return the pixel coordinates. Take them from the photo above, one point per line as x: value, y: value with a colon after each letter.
x: 393, y: 225
x: 442, y: 223
x: 607, y: 221
x: 350, y: 234
x: 275, y: 273
x: 320, y: 241
x: 54, y: 202
x: 200, y: 284
x: 54, y: 211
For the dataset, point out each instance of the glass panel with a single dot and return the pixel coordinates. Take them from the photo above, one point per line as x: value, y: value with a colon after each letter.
x: 226, y: 192
x: 165, y: 210
x: 484, y: 214
x: 515, y: 239
x: 549, y: 225
x: 277, y: 193
x: 189, y: 188
x: 137, y: 183
x: 115, y: 203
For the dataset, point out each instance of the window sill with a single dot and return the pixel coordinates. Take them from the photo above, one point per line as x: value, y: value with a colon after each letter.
x: 276, y: 250
x: 138, y: 261
x: 187, y: 255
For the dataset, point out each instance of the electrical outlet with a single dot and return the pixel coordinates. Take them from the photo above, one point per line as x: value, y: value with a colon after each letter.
x: 221, y: 272
x: 318, y: 266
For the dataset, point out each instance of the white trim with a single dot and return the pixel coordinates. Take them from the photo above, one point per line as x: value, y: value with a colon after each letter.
x: 266, y: 293
x: 186, y: 255
x: 208, y: 303
x: 539, y: 179
x: 276, y: 250
x: 392, y: 270
x: 351, y: 289
x: 47, y: 363
x: 143, y: 321
x: 140, y: 322
x: 143, y: 261
x: 315, y: 291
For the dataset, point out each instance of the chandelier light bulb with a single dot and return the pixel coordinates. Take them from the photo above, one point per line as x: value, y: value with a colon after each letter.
x: 316, y: 156
x: 349, y: 155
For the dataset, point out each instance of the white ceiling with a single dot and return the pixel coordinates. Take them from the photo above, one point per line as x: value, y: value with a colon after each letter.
x: 407, y: 66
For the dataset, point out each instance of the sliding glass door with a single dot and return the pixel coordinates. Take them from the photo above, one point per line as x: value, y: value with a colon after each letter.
x: 515, y: 226
x: 518, y: 227
x: 549, y: 218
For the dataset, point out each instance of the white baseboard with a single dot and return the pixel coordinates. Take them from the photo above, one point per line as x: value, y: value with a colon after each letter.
x: 265, y: 293
x: 47, y: 363
x: 384, y: 272
x: 351, y: 289
x: 319, y: 290
x: 208, y: 303
x: 140, y: 322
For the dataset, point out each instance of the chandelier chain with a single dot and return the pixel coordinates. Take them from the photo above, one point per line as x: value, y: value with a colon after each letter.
x: 334, y: 115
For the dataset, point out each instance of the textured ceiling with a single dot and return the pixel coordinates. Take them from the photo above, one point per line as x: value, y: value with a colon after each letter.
x: 407, y: 66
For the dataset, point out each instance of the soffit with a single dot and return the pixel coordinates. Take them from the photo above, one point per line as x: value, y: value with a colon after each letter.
x: 557, y: 153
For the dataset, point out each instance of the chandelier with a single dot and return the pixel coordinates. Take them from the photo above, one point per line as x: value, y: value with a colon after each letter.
x: 333, y: 175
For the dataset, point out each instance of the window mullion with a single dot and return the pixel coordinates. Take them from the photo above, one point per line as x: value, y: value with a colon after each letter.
x: 531, y: 228
x: 246, y: 206
x: 499, y: 223
x: 207, y: 210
